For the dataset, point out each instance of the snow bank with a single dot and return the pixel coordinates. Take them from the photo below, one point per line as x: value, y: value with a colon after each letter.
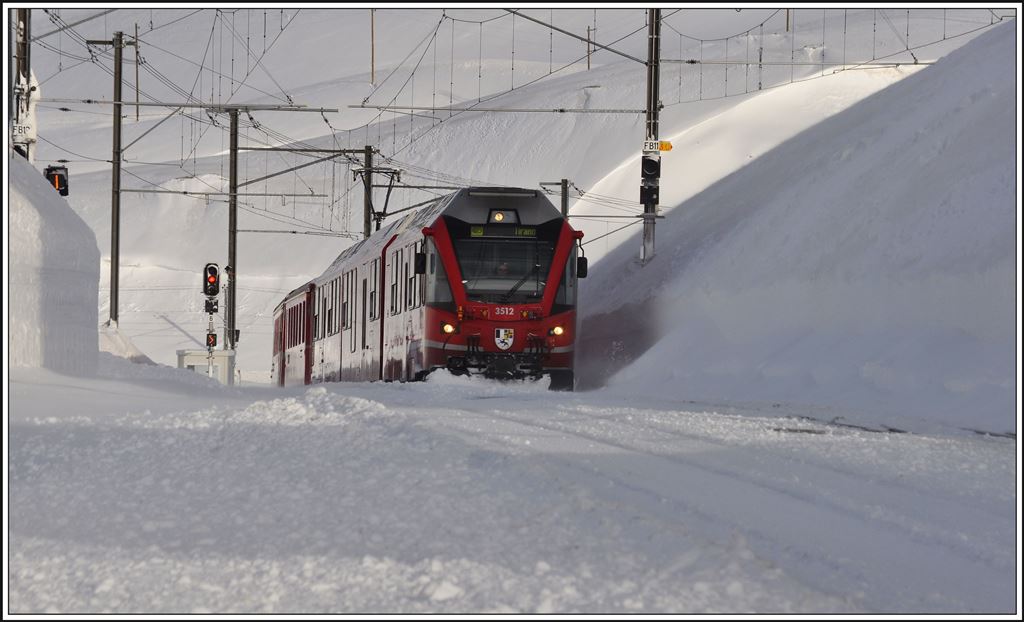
x: 172, y: 379
x: 54, y: 278
x: 115, y: 342
x: 867, y: 264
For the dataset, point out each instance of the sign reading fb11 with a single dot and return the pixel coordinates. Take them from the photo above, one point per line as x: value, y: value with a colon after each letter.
x: 656, y: 146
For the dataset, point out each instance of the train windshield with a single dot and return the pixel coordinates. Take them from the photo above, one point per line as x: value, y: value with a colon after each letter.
x: 504, y: 270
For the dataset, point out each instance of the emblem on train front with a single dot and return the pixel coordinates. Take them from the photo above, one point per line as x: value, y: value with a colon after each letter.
x: 503, y: 337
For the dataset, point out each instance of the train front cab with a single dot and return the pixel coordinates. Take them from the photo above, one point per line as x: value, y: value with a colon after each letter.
x: 500, y: 296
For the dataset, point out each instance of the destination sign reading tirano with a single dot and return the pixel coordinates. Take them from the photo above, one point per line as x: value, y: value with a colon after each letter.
x: 502, y: 231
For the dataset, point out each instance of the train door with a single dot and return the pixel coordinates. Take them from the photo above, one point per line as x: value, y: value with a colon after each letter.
x: 353, y: 275
x: 321, y: 327
x: 384, y: 309
x: 393, y: 353
x: 387, y: 293
x: 338, y: 321
x: 282, y: 344
x: 307, y: 323
x: 414, y: 322
x: 278, y: 367
x: 318, y: 344
x: 365, y: 320
x: 376, y: 306
x: 347, y: 363
x: 407, y: 334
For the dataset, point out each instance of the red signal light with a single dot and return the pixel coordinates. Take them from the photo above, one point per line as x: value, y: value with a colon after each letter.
x: 212, y: 285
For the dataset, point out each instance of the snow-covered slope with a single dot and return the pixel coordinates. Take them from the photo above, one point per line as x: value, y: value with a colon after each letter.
x: 54, y: 269
x: 866, y: 264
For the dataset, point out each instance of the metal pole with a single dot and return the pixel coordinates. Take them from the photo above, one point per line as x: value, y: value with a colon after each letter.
x: 136, y: 73
x: 653, y: 53
x: 115, y: 184
x: 588, y: 48
x: 229, y: 338
x: 565, y: 198
x: 20, y: 93
x: 209, y: 348
x: 27, y: 49
x: 117, y: 42
x: 367, y: 189
x: 760, y: 56
x: 12, y: 24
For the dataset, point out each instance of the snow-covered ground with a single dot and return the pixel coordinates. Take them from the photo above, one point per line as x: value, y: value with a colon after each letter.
x: 732, y: 468
x: 465, y: 495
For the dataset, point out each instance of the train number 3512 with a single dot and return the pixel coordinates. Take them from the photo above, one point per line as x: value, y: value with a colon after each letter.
x: 504, y: 311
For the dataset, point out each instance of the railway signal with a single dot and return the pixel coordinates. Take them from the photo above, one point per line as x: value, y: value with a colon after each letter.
x: 211, y: 287
x: 57, y: 176
x: 650, y: 174
x: 650, y: 167
x: 211, y: 279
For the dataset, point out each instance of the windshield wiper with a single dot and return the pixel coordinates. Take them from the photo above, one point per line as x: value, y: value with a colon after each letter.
x: 508, y: 295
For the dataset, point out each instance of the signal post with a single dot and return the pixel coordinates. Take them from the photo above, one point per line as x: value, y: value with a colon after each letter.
x: 220, y: 364
x: 211, y: 287
x: 650, y: 167
x: 211, y: 341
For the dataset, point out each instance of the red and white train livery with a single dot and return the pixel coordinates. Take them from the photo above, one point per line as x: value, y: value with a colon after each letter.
x: 482, y: 281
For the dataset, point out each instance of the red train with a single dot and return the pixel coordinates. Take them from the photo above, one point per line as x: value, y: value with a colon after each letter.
x: 482, y: 281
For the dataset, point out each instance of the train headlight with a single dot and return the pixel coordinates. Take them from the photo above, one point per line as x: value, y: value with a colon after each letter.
x: 447, y: 328
x: 557, y: 331
x: 504, y: 216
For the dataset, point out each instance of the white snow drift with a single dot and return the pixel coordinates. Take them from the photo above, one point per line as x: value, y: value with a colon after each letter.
x: 866, y: 264
x: 54, y: 276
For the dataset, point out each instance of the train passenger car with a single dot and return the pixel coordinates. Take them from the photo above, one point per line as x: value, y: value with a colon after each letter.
x: 482, y: 281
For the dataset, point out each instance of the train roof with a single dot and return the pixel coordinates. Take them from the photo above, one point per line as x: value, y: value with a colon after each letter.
x: 533, y: 206
x: 466, y: 204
